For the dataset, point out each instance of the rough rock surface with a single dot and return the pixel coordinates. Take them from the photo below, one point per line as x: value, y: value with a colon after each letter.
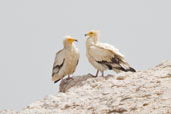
x: 143, y: 92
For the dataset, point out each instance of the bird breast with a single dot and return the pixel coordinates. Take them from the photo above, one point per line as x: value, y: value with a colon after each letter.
x: 94, y: 63
x: 72, y: 59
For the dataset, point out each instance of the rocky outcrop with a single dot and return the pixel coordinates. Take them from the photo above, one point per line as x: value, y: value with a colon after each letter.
x: 143, y: 92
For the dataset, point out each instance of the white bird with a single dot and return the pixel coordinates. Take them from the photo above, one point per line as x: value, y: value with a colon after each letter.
x: 66, y: 60
x: 104, y: 56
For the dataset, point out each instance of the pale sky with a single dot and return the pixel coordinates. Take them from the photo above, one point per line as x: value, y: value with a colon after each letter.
x: 31, y: 31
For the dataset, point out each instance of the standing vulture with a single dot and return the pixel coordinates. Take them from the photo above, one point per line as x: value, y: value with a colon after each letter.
x: 104, y: 56
x: 66, y: 60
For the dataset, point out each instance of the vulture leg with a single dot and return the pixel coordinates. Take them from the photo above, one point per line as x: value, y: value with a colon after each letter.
x: 69, y: 77
x: 102, y: 73
x: 62, y: 82
x: 95, y: 75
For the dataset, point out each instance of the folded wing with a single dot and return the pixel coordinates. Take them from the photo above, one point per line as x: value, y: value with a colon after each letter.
x: 109, y: 56
x: 57, y: 66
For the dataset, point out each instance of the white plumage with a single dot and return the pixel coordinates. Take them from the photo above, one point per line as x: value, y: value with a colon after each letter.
x: 104, y: 56
x: 66, y: 60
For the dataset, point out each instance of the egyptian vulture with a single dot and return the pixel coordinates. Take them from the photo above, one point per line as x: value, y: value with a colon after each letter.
x: 104, y: 56
x: 66, y: 60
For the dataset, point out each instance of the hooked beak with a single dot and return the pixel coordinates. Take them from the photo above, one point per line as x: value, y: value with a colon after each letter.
x: 76, y: 40
x: 85, y: 34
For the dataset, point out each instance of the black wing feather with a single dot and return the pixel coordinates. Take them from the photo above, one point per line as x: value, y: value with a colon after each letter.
x: 115, y: 60
x: 57, y: 67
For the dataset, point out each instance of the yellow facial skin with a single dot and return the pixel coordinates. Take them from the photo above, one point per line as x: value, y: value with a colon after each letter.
x: 71, y: 40
x: 90, y: 34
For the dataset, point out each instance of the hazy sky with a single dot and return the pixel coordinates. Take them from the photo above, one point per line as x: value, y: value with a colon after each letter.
x: 31, y: 31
